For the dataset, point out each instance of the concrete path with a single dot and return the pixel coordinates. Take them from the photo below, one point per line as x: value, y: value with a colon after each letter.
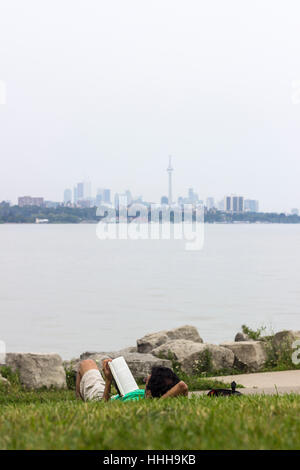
x: 268, y: 383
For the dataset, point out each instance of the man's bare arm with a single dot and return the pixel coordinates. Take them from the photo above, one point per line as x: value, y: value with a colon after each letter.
x: 78, y: 379
x: 108, y: 379
x: 179, y: 389
x: 107, y: 389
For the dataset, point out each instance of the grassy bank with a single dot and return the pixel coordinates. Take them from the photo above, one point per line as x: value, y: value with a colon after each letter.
x: 55, y: 420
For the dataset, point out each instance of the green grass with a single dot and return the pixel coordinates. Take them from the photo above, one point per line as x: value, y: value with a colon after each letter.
x: 55, y: 420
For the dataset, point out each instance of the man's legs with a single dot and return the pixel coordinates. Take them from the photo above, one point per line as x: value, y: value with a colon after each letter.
x: 84, y: 366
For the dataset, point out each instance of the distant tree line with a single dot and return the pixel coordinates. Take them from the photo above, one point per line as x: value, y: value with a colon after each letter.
x: 251, y: 217
x: 60, y: 214
x: 75, y: 215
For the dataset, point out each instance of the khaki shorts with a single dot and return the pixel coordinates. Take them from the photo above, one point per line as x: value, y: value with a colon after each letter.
x: 92, y: 385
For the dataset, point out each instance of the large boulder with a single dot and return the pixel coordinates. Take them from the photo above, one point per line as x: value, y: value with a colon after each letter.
x: 111, y: 354
x: 139, y: 364
x: 188, y: 353
x: 153, y: 340
x: 38, y: 370
x: 284, y: 339
x: 249, y: 355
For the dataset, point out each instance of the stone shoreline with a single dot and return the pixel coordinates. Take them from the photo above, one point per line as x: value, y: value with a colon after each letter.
x: 182, y: 344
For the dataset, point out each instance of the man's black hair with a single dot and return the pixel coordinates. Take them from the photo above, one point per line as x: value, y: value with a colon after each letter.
x: 162, y: 379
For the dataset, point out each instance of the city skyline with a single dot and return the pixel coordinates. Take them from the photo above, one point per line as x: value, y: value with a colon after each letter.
x: 83, y: 196
x: 93, y: 190
x: 94, y: 106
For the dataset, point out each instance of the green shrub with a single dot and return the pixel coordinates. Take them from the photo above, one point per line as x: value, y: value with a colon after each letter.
x: 279, y: 358
x: 204, y: 364
x: 253, y: 334
x: 70, y: 378
x: 12, y: 377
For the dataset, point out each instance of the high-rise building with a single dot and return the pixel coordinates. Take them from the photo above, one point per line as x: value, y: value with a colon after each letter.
x: 221, y: 205
x: 103, y: 196
x: 106, y: 196
x: 99, y: 200
x: 82, y: 191
x: 192, y: 197
x: 129, y: 197
x: 87, y: 190
x: 170, y: 171
x: 234, y: 204
x: 30, y: 201
x: 251, y: 205
x: 75, y: 197
x: 121, y: 200
x: 210, y: 203
x: 67, y: 196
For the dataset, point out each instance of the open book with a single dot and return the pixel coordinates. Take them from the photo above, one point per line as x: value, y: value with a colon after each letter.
x: 123, y: 376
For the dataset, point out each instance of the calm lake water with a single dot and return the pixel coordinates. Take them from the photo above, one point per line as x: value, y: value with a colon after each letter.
x: 63, y: 290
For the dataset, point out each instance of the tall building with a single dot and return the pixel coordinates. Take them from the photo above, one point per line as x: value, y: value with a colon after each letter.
x: 30, y: 201
x: 192, y: 197
x: 87, y: 190
x: 234, y: 204
x: 75, y: 197
x: 103, y: 196
x: 106, y: 196
x: 251, y: 205
x: 121, y: 200
x: 210, y: 203
x: 129, y: 197
x: 82, y: 191
x: 221, y: 205
x: 170, y: 171
x: 67, y: 196
x: 98, y: 200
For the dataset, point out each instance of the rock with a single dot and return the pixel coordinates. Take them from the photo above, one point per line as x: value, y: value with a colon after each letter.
x: 152, y: 341
x: 130, y: 349
x: 139, y: 364
x: 284, y: 339
x: 72, y: 364
x: 121, y: 352
x: 97, y: 356
x: 38, y: 370
x: 241, y: 337
x: 187, y: 353
x: 249, y: 355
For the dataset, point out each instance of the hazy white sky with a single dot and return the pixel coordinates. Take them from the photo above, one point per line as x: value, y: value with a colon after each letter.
x: 106, y: 90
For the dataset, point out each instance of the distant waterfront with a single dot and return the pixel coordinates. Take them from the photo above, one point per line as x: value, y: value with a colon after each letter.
x: 75, y: 215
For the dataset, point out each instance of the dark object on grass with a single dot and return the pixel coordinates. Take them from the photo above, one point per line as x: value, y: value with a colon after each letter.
x: 223, y: 392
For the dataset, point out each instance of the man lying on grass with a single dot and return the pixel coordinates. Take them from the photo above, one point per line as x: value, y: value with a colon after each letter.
x: 161, y: 383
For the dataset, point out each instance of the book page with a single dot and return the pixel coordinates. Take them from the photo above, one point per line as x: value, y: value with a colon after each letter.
x: 123, y: 375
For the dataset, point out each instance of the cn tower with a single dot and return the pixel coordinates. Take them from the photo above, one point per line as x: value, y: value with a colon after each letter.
x: 170, y: 171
